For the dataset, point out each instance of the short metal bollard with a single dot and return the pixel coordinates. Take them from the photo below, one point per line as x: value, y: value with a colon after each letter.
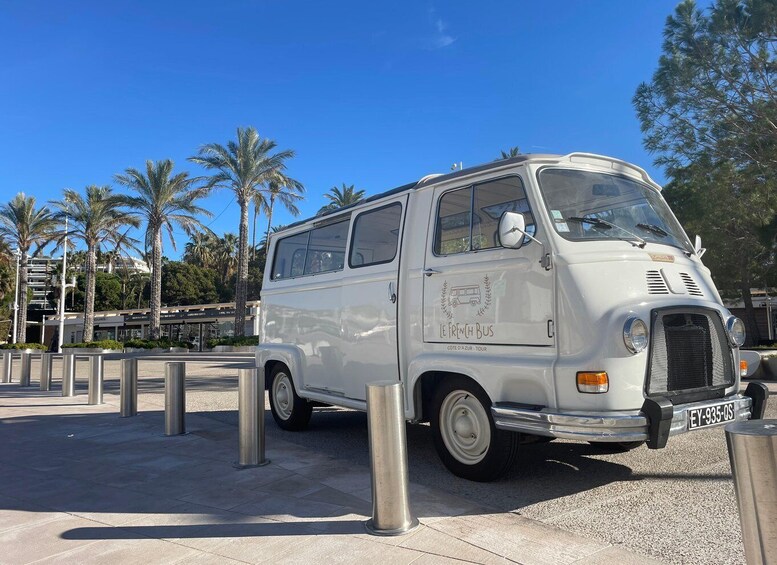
x: 752, y: 449
x: 46, y: 364
x: 128, y: 405
x: 68, y: 374
x: 175, y: 398
x: 24, y: 376
x: 251, y: 418
x: 96, y: 366
x: 388, y: 461
x: 7, y: 366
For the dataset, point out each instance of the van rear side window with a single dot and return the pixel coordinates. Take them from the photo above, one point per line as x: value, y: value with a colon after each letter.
x: 375, y: 236
x: 290, y: 255
x: 320, y: 250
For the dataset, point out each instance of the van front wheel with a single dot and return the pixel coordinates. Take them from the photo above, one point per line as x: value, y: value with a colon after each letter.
x: 465, y: 436
x: 289, y: 410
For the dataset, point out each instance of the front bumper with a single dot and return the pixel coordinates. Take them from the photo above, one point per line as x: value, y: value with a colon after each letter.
x: 654, y: 423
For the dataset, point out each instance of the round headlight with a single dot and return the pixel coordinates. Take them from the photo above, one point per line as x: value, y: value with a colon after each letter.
x: 635, y: 335
x: 736, y: 331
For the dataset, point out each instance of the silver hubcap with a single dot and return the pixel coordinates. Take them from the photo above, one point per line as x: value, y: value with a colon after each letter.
x: 464, y: 427
x: 282, y: 394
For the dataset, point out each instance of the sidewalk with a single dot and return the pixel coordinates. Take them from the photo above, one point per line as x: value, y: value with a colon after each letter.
x: 81, y: 485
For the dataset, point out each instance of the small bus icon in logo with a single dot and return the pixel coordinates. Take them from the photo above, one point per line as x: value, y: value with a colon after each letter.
x: 465, y: 295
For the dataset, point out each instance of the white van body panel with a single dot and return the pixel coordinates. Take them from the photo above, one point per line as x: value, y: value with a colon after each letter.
x: 521, y: 323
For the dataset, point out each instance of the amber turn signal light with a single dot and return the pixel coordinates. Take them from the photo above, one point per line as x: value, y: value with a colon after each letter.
x: 593, y: 383
x: 743, y: 368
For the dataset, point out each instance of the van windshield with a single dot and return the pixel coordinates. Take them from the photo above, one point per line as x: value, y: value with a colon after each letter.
x: 585, y: 205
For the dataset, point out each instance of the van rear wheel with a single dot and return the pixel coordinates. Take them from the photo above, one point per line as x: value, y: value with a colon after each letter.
x: 289, y: 410
x: 466, y: 439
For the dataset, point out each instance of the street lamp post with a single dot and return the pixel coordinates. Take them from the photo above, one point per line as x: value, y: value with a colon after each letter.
x: 64, y: 286
x: 16, y: 297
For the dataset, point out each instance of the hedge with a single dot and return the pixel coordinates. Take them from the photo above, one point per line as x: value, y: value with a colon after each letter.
x: 236, y: 341
x: 102, y: 344
x: 39, y: 346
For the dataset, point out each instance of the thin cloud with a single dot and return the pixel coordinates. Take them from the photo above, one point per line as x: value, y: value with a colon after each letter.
x: 441, y: 38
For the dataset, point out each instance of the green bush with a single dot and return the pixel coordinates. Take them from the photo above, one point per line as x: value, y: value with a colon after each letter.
x: 236, y: 341
x: 39, y: 346
x: 102, y: 344
x: 156, y: 344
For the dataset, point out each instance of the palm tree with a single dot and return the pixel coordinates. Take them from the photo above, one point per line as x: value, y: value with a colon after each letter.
x: 163, y: 199
x: 340, y: 198
x: 199, y: 250
x: 265, y: 240
x: 23, y: 225
x: 224, y: 255
x: 95, y: 220
x: 244, y: 166
x: 509, y: 154
x: 286, y: 194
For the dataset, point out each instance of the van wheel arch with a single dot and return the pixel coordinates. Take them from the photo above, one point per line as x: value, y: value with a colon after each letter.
x: 458, y: 404
x: 289, y: 410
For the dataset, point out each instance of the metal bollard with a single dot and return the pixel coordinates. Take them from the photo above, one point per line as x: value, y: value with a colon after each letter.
x: 7, y: 366
x: 251, y: 418
x: 46, y: 364
x: 388, y: 461
x: 128, y: 405
x: 24, y: 376
x: 752, y: 449
x: 68, y: 374
x: 175, y: 398
x: 96, y: 379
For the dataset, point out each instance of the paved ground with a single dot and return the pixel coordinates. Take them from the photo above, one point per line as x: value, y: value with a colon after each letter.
x: 72, y: 471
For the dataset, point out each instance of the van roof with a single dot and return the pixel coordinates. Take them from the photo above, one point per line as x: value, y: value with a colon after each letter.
x: 616, y: 164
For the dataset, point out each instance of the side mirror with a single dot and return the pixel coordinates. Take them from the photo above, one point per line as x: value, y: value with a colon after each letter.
x: 512, y: 230
x: 698, y: 248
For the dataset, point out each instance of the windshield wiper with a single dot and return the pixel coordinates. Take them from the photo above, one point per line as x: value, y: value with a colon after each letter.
x: 604, y: 224
x: 654, y: 228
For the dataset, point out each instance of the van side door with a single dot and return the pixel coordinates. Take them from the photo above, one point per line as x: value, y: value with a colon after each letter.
x: 475, y: 291
x: 370, y: 295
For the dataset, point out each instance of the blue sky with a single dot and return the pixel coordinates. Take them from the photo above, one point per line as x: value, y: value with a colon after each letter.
x: 371, y: 94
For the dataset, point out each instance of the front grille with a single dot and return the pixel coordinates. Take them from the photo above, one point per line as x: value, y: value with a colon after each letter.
x: 689, y: 351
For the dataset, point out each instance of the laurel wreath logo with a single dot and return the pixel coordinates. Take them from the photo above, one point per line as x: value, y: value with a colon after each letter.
x: 487, y: 296
x: 444, y: 304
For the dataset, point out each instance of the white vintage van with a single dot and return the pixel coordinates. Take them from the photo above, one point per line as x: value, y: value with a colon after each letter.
x: 542, y: 296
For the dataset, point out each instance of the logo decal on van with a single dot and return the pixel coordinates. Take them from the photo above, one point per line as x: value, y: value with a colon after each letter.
x: 471, y: 294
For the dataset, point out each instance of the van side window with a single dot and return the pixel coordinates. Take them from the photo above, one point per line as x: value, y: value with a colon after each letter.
x: 468, y: 218
x: 375, y: 236
x: 492, y: 199
x: 326, y: 248
x: 453, y: 222
x: 290, y: 256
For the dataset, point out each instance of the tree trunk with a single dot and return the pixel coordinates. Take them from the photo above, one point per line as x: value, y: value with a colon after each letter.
x: 91, y: 268
x: 269, y: 224
x: 156, y: 286
x: 241, y: 284
x: 253, y: 233
x: 21, y: 330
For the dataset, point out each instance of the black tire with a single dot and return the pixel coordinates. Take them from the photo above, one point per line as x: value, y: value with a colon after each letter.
x: 617, y: 446
x: 491, y: 452
x: 289, y: 410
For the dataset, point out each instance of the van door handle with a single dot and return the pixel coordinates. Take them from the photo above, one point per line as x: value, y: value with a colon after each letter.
x: 392, y: 293
x: 430, y: 272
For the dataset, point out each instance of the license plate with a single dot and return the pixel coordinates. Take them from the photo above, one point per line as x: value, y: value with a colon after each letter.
x: 711, y: 415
